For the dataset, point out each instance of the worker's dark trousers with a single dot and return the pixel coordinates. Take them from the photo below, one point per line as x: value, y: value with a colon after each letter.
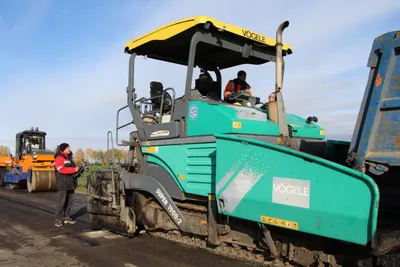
x: 65, y: 198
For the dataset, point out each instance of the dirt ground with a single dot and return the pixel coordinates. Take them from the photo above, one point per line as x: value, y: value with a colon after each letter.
x: 28, y: 237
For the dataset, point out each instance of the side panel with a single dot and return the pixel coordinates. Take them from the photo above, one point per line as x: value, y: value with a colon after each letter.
x: 164, y: 178
x: 191, y: 165
x: 376, y: 136
x: 271, y: 184
x: 207, y: 118
x: 5, y: 161
x: 162, y: 130
x: 16, y: 177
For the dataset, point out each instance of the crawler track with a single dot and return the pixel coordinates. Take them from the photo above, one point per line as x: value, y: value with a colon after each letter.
x: 255, y: 255
x: 234, y: 252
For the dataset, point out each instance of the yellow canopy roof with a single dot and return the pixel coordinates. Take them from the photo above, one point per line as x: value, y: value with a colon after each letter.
x: 172, y: 41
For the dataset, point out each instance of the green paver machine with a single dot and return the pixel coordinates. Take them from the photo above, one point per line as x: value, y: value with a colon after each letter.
x: 242, y: 178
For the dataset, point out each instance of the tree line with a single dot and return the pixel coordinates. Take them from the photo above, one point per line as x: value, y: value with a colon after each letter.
x: 4, y: 151
x: 89, y: 156
x: 100, y: 157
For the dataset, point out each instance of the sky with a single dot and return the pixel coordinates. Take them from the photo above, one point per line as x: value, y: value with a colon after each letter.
x: 63, y: 67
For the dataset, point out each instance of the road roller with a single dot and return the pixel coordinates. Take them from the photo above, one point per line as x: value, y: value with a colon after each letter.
x: 32, y: 166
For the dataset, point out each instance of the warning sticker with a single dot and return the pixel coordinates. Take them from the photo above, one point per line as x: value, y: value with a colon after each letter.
x: 151, y: 149
x: 280, y: 222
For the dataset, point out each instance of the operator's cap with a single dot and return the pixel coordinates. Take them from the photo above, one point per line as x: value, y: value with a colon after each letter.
x: 63, y: 146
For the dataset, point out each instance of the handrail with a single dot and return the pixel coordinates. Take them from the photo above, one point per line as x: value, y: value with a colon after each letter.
x: 120, y: 127
x: 114, y: 203
x: 109, y: 133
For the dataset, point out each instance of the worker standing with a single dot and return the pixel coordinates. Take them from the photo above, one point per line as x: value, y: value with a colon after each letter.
x: 65, y: 169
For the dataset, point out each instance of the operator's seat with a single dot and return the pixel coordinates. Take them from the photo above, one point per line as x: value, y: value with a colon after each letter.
x: 156, y: 91
x: 206, y: 86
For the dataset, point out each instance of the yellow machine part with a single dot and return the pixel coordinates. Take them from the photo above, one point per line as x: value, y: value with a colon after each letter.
x: 43, y: 179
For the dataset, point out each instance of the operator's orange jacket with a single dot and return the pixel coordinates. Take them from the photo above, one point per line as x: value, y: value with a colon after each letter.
x: 234, y: 86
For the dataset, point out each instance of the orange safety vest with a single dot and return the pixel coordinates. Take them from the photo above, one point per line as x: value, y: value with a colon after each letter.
x: 233, y: 87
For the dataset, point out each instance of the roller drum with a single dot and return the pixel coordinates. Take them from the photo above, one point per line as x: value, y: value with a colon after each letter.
x: 42, y: 180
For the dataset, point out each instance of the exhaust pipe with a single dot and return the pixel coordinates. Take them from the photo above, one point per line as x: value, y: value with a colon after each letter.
x: 279, y: 58
x: 280, y: 106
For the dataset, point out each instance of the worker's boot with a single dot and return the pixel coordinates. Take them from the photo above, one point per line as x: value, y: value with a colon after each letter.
x: 58, y: 223
x: 69, y: 220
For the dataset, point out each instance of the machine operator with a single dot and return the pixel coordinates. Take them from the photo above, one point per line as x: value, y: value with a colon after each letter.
x: 236, y: 85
